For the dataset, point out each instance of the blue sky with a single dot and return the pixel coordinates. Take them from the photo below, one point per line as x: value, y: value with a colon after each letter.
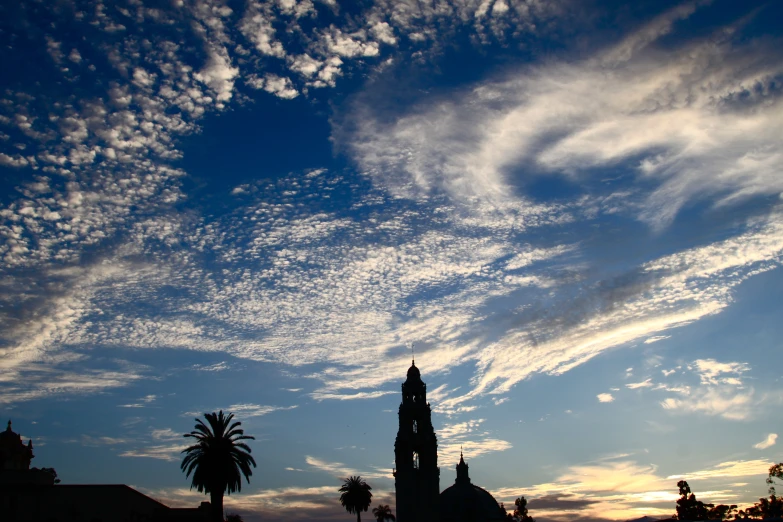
x: 571, y: 209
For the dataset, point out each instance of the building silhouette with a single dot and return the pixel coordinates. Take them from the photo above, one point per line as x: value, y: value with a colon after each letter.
x: 34, y: 495
x: 417, y: 475
x: 15, y: 459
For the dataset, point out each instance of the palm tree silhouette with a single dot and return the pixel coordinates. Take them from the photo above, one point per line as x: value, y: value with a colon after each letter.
x: 218, y: 458
x: 382, y: 513
x: 356, y: 496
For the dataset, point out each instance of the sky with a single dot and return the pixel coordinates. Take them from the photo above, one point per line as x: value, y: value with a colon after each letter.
x: 570, y: 211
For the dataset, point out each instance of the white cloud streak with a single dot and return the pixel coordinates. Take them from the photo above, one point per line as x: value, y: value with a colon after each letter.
x: 689, y: 122
x: 768, y: 442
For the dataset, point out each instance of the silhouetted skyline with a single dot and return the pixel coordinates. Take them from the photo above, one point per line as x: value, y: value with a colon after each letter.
x: 568, y: 211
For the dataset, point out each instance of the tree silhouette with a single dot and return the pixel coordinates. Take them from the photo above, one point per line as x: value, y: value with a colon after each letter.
x: 771, y: 507
x: 775, y: 472
x: 382, y: 513
x: 218, y: 460
x: 520, y: 511
x: 234, y: 517
x: 688, y: 508
x: 355, y: 496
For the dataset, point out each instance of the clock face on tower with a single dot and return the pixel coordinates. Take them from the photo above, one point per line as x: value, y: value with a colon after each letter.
x: 417, y: 476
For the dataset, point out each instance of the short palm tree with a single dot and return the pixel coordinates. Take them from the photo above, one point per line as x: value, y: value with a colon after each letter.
x: 218, y: 459
x: 382, y: 513
x: 355, y: 496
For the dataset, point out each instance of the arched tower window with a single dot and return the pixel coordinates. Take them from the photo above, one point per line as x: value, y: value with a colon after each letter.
x: 415, y: 460
x: 415, y: 427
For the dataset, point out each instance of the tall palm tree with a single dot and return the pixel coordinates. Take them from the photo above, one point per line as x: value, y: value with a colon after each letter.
x: 218, y: 460
x: 356, y: 496
x: 382, y: 513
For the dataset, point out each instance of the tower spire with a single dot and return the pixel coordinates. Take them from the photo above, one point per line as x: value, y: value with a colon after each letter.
x: 462, y: 469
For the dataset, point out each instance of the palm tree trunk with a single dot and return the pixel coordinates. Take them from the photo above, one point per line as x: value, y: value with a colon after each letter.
x: 216, y: 499
x: 358, y: 516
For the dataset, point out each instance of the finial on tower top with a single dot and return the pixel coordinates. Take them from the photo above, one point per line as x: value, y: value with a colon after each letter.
x: 9, y: 425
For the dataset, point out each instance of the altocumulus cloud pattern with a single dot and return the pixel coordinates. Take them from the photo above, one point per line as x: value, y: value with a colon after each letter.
x: 571, y: 209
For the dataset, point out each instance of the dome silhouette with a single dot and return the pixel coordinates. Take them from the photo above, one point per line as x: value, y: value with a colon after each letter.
x: 413, y: 373
x: 466, y: 502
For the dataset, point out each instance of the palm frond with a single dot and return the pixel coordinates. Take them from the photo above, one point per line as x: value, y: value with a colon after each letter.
x: 218, y: 461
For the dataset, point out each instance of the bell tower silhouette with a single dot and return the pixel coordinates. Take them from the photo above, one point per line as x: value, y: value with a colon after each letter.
x: 417, y: 476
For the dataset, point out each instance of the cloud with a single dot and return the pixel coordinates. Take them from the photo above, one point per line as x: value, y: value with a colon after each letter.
x: 216, y: 367
x: 727, y: 404
x: 679, y: 121
x: 340, y: 470
x: 611, y: 489
x: 713, y: 372
x: 256, y: 26
x: 165, y: 434
x: 167, y: 452
x: 472, y: 446
x: 286, y: 503
x: 605, y: 397
x: 439, y: 268
x: 735, y: 468
x: 619, y: 489
x: 88, y: 440
x: 147, y: 399
x: 721, y: 392
x: 218, y: 74
x: 563, y: 502
x: 347, y: 45
x: 767, y: 442
x: 279, y: 86
x: 244, y: 411
x: 320, y: 396
x: 647, y: 383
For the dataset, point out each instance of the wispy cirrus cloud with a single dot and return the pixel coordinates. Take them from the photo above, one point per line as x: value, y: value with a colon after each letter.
x: 359, y: 281
x: 88, y: 440
x: 736, y: 468
x: 340, y: 470
x: 647, y: 383
x: 320, y: 396
x: 244, y: 410
x: 679, y: 121
x: 167, y: 452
